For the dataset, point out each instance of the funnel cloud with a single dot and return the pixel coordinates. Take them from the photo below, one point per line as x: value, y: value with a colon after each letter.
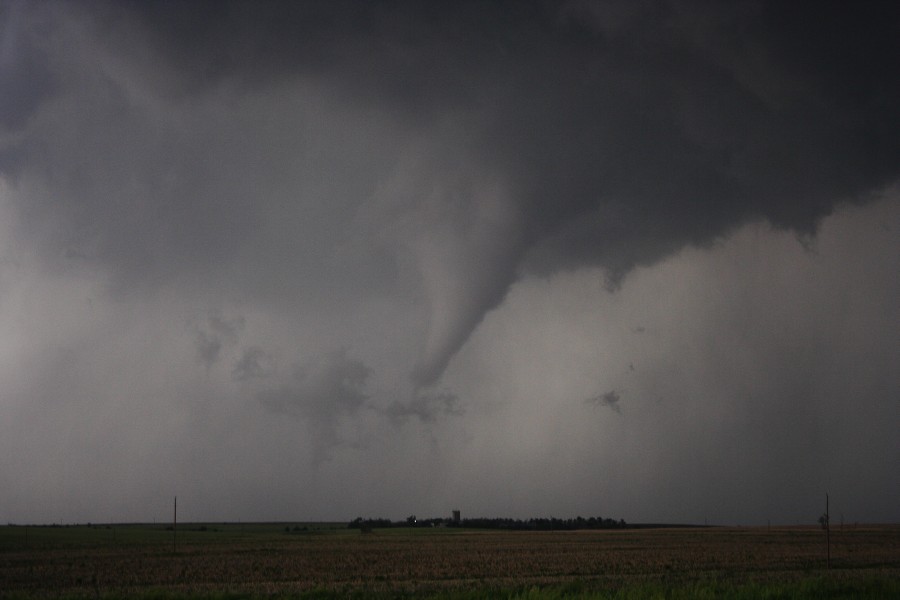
x: 606, y: 134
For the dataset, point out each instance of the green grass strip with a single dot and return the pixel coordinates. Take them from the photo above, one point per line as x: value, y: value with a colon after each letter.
x: 814, y: 588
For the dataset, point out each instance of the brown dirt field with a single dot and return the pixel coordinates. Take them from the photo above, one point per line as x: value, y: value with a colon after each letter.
x: 424, y: 561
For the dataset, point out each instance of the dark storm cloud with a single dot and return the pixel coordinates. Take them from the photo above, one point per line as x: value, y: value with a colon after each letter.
x: 704, y: 97
x: 409, y: 56
x: 25, y: 79
x: 624, y: 130
x: 192, y: 191
x: 214, y: 333
x: 426, y: 407
x: 610, y: 399
x: 616, y: 132
x: 323, y: 388
x: 323, y: 392
x: 254, y: 363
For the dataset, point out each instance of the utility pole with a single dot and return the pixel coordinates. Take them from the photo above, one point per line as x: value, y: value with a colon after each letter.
x: 174, y: 524
x: 827, y: 534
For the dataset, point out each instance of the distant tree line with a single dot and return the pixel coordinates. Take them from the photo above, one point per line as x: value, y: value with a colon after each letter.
x: 534, y: 524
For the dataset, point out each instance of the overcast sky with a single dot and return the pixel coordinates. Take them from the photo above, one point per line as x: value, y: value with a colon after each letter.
x: 321, y: 260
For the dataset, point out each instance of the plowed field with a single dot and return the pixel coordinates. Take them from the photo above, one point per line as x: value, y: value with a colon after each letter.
x: 280, y: 560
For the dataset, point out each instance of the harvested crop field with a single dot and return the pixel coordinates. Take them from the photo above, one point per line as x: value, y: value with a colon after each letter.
x: 282, y: 559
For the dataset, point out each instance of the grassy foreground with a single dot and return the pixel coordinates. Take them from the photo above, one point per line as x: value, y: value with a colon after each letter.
x: 330, y: 561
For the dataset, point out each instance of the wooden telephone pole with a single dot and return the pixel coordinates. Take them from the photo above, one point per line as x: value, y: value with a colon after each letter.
x: 174, y: 524
x: 827, y: 534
